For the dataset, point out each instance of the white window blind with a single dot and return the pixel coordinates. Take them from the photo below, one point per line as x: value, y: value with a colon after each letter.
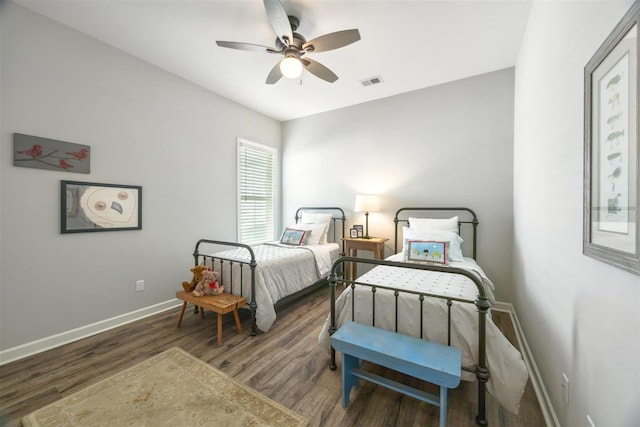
x: 256, y: 192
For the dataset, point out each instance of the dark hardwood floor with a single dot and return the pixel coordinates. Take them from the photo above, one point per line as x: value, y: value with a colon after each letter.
x: 285, y: 364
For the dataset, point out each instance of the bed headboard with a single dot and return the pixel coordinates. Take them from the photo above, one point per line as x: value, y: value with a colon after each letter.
x: 338, y: 222
x: 466, y: 217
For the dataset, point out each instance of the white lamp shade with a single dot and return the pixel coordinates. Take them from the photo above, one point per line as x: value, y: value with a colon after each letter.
x: 367, y: 203
x: 291, y: 67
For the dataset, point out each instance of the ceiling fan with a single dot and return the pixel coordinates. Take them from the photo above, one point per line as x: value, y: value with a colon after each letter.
x: 294, y: 46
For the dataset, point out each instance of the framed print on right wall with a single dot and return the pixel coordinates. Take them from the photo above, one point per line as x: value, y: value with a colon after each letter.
x: 611, y: 160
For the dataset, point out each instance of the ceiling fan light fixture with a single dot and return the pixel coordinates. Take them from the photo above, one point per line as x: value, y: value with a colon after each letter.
x: 291, y: 67
x: 293, y: 46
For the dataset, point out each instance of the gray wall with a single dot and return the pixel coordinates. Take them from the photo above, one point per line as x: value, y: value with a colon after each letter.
x: 450, y: 144
x: 580, y: 316
x: 145, y: 127
x: 2, y: 160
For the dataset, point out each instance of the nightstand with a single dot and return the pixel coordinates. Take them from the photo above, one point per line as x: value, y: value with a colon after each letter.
x: 352, y: 246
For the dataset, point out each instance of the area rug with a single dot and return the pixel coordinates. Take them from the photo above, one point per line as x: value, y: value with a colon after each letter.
x: 171, y: 389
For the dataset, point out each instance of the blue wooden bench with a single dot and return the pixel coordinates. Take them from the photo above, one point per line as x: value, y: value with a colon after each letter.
x: 432, y: 362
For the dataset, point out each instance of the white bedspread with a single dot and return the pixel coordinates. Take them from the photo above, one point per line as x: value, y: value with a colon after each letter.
x: 508, y: 372
x: 282, y: 270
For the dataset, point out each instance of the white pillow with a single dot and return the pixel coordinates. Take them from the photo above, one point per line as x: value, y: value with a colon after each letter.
x: 318, y: 218
x: 454, y: 251
x: 313, y: 234
x: 428, y: 224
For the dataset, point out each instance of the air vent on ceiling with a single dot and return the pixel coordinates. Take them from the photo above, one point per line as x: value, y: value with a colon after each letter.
x: 371, y: 81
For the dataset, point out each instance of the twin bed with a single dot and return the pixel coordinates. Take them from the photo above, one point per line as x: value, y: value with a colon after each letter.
x: 447, y: 303
x: 273, y: 274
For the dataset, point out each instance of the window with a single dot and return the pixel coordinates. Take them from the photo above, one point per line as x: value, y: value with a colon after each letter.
x: 257, y: 166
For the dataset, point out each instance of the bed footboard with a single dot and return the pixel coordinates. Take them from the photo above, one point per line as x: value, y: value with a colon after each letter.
x: 218, y: 263
x: 481, y: 303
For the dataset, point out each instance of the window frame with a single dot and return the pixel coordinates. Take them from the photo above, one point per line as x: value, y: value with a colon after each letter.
x: 243, y: 143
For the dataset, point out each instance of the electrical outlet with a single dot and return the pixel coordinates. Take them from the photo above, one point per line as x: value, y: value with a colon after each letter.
x: 139, y: 285
x: 565, y: 388
x: 590, y: 422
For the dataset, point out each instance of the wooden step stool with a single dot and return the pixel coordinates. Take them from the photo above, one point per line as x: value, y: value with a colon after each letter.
x: 222, y: 304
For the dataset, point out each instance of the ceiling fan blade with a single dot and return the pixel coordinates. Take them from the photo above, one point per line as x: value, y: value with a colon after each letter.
x: 332, y: 41
x: 279, y: 20
x: 319, y: 70
x: 246, y: 46
x: 275, y: 74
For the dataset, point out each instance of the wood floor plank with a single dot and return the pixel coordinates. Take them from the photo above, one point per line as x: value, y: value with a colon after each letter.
x: 286, y: 364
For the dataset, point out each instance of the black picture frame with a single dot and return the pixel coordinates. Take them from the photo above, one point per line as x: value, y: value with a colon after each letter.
x: 90, y: 206
x: 353, y: 233
x: 611, y: 161
x: 360, y: 229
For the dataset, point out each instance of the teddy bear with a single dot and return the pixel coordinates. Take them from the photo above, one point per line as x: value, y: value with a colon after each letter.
x: 197, y: 276
x: 209, y: 284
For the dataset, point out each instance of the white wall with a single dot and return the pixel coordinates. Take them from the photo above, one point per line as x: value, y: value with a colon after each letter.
x: 580, y: 316
x: 145, y: 127
x: 446, y: 145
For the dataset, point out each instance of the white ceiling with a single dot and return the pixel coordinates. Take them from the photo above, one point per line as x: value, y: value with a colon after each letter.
x: 409, y: 44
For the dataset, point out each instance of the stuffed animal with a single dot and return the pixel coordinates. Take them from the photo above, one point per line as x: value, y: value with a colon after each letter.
x: 208, y: 285
x: 197, y: 277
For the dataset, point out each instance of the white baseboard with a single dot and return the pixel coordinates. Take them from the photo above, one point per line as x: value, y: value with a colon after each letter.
x: 34, y: 347
x: 548, y: 412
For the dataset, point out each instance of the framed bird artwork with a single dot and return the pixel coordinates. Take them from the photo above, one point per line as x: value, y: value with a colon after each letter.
x: 43, y: 153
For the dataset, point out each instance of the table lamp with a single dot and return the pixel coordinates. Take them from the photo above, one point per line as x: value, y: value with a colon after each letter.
x: 367, y: 203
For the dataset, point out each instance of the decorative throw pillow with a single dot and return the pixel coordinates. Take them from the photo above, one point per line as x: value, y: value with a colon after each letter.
x: 292, y: 236
x: 427, y: 251
x: 454, y: 250
x: 314, y: 233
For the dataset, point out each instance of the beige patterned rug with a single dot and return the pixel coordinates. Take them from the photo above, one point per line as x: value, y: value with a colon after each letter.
x: 170, y: 389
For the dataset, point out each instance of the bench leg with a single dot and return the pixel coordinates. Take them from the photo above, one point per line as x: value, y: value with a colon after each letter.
x: 184, y: 306
x: 237, y: 318
x: 349, y: 363
x: 443, y: 406
x: 219, y: 329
